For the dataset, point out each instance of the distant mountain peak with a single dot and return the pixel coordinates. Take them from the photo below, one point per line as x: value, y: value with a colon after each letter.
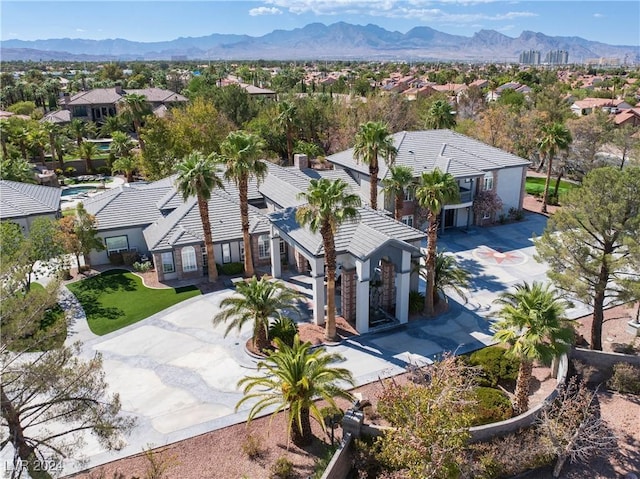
x: 337, y: 41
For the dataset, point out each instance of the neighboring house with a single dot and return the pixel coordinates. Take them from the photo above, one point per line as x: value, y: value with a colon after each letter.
x: 588, y: 105
x: 100, y: 103
x: 627, y: 117
x: 61, y: 117
x: 475, y: 165
x: 21, y: 203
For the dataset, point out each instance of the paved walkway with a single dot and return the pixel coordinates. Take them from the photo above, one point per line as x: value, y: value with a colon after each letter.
x: 178, y: 375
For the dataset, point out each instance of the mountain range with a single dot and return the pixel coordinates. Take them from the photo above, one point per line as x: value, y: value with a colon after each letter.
x: 316, y: 41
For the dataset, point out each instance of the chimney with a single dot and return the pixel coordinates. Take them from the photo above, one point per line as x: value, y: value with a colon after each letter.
x: 65, y: 98
x: 300, y: 161
x: 118, y: 89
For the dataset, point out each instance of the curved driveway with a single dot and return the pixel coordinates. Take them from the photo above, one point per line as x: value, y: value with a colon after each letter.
x: 177, y: 373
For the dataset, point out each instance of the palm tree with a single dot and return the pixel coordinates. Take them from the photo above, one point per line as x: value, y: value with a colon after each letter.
x: 127, y: 165
x: 87, y: 150
x: 52, y: 130
x: 257, y: 302
x: 448, y: 275
x: 287, y: 117
x: 434, y: 190
x: 198, y: 176
x: 532, y: 322
x: 241, y: 152
x: 295, y: 377
x: 111, y: 125
x: 38, y: 140
x: 328, y: 206
x: 554, y: 137
x: 121, y: 144
x: 79, y: 129
x: 373, y: 140
x: 134, y: 108
x: 396, y: 185
x: 440, y: 116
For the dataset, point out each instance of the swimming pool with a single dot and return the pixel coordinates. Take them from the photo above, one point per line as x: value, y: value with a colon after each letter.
x: 76, y: 190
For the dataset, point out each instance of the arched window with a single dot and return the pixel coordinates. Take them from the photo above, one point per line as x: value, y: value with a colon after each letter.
x: 189, y: 262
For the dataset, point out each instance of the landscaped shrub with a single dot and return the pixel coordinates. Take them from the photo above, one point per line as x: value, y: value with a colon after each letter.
x: 516, y: 214
x: 253, y: 447
x: 230, y: 269
x: 416, y: 302
x: 116, y: 259
x: 129, y: 257
x: 283, y: 328
x: 625, y: 379
x: 282, y: 469
x: 104, y: 170
x: 495, y: 365
x: 509, y: 455
x: 493, y: 406
x: 142, y: 267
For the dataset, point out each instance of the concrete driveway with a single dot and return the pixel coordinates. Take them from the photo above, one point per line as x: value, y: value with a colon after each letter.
x: 178, y: 375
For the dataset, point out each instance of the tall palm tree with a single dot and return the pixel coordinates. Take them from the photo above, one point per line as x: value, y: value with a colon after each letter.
x: 241, y: 153
x: 121, y: 144
x: 257, y: 302
x: 198, y: 176
x: 295, y: 377
x: 532, y: 322
x: 87, y: 150
x: 448, y: 275
x: 554, y: 137
x: 52, y: 130
x: 396, y: 185
x: 287, y: 119
x: 440, y: 116
x: 126, y: 164
x: 435, y: 189
x: 134, y: 108
x: 38, y: 140
x: 328, y: 206
x: 79, y: 129
x: 372, y: 141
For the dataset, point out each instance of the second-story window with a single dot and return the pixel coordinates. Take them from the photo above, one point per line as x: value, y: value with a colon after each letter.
x: 488, y: 181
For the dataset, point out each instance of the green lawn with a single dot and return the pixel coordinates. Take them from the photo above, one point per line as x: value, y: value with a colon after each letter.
x: 535, y: 186
x: 117, y: 298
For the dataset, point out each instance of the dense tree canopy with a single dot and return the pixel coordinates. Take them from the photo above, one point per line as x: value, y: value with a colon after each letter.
x: 592, y: 244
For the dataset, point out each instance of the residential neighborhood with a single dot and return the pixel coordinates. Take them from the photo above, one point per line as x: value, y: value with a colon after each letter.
x: 252, y: 269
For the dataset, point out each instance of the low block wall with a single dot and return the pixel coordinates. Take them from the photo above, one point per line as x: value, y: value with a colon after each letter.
x: 481, y: 433
x: 602, y: 362
x: 340, y: 464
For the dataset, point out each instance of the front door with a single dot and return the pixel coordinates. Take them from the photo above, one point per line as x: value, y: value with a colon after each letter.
x: 449, y: 218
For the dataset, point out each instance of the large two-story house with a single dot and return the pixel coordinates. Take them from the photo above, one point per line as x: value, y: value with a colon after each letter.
x: 476, y: 166
x: 97, y: 104
x: 375, y: 253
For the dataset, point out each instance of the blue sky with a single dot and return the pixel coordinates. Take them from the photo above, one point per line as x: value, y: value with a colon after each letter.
x: 613, y: 22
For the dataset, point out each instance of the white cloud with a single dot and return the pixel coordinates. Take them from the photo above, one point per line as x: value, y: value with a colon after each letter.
x: 255, y: 12
x: 80, y: 30
x: 423, y: 10
x: 598, y: 15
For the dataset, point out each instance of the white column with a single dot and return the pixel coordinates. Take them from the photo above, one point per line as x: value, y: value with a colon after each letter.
x: 362, y: 296
x: 276, y: 264
x: 317, y: 283
x: 403, y: 286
